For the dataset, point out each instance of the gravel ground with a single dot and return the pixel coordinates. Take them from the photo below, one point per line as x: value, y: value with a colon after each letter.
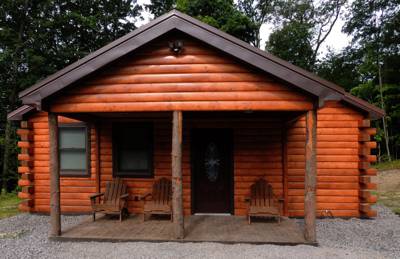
x: 25, y: 236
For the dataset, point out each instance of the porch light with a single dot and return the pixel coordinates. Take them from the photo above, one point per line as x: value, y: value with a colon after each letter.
x: 176, y: 46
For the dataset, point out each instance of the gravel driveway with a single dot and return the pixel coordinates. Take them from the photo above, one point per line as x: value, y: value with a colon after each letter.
x: 25, y: 236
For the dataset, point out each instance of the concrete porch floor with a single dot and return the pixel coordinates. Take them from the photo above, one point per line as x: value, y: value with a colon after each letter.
x: 204, y: 228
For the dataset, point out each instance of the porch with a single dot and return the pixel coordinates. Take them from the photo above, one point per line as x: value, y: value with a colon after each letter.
x: 257, y: 149
x: 198, y: 228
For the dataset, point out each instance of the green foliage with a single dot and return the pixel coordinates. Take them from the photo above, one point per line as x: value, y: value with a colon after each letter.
x: 301, y: 26
x: 395, y: 164
x: 8, y: 204
x: 341, y: 68
x: 375, y: 27
x: 292, y: 43
x: 375, y: 22
x: 259, y: 12
x: 160, y: 7
x: 221, y: 14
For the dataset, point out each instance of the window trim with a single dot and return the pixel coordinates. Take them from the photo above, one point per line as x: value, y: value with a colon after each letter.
x: 76, y: 173
x: 148, y: 173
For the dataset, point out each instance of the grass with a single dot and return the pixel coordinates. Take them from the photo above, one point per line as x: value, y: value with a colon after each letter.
x: 390, y: 200
x: 388, y: 165
x: 389, y: 188
x: 8, y: 205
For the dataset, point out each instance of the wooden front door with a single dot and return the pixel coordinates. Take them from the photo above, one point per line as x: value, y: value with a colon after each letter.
x: 212, y: 177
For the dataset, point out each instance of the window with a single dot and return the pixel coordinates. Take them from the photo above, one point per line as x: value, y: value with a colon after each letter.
x: 133, y: 150
x: 73, y: 150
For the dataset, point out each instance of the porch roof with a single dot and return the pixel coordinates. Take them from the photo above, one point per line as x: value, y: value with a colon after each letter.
x: 175, y: 20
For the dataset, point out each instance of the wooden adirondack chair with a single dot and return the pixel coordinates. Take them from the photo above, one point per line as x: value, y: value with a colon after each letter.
x: 113, y: 201
x: 263, y: 202
x: 159, y: 202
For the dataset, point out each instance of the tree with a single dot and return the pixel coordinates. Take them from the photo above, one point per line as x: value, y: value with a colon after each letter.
x: 160, y: 7
x: 305, y: 24
x: 259, y: 12
x: 38, y: 38
x: 221, y: 14
x: 375, y: 27
x: 292, y: 43
x: 342, y: 68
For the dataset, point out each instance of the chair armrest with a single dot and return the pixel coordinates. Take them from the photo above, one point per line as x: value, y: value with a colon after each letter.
x: 143, y: 198
x: 124, y: 196
x: 96, y: 195
x: 247, y: 199
x: 281, y: 200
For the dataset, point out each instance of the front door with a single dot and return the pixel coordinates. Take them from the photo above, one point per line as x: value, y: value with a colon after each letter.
x: 212, y: 177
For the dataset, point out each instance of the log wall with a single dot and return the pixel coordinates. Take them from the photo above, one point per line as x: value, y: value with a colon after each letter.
x: 256, y: 154
x: 343, y: 154
x: 339, y: 163
x: 74, y: 190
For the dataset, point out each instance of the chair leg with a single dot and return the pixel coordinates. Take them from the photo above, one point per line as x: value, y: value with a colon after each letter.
x: 144, y: 217
x: 248, y: 219
x: 120, y: 216
x: 94, y: 216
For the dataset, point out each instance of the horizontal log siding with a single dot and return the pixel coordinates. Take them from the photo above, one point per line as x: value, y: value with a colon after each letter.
x: 257, y: 153
x: 74, y: 190
x: 199, y: 78
x: 337, y: 156
x: 253, y: 147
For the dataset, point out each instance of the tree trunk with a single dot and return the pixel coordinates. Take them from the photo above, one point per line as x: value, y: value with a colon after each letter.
x: 7, y: 141
x: 6, y: 157
x: 385, y: 130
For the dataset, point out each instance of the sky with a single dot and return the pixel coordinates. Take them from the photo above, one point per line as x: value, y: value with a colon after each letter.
x: 336, y: 40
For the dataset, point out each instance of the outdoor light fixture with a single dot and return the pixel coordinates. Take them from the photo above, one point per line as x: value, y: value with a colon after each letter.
x: 176, y: 46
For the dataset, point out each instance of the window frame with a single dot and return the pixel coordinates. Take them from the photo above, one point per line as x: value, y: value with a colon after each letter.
x: 148, y: 173
x: 70, y: 172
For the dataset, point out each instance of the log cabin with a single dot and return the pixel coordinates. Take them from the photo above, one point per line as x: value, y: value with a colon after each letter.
x: 176, y: 93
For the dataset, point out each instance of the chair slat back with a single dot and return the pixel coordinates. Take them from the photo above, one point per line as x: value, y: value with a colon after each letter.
x: 162, y: 191
x: 114, y: 190
x: 261, y: 194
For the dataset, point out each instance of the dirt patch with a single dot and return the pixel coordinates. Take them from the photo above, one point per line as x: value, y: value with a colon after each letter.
x: 389, y: 189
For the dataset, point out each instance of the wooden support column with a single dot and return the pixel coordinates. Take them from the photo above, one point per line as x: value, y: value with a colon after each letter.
x: 177, y: 193
x: 285, y: 170
x: 310, y: 181
x: 55, y: 218
x: 98, y: 178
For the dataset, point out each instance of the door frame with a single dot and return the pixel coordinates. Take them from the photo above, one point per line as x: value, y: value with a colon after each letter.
x: 231, y: 171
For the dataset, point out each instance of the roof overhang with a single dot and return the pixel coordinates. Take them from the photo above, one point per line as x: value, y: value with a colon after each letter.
x: 19, y: 113
x: 175, y: 20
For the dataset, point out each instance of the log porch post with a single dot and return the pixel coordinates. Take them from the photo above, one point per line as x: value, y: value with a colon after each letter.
x: 55, y: 218
x: 310, y: 181
x: 177, y: 200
